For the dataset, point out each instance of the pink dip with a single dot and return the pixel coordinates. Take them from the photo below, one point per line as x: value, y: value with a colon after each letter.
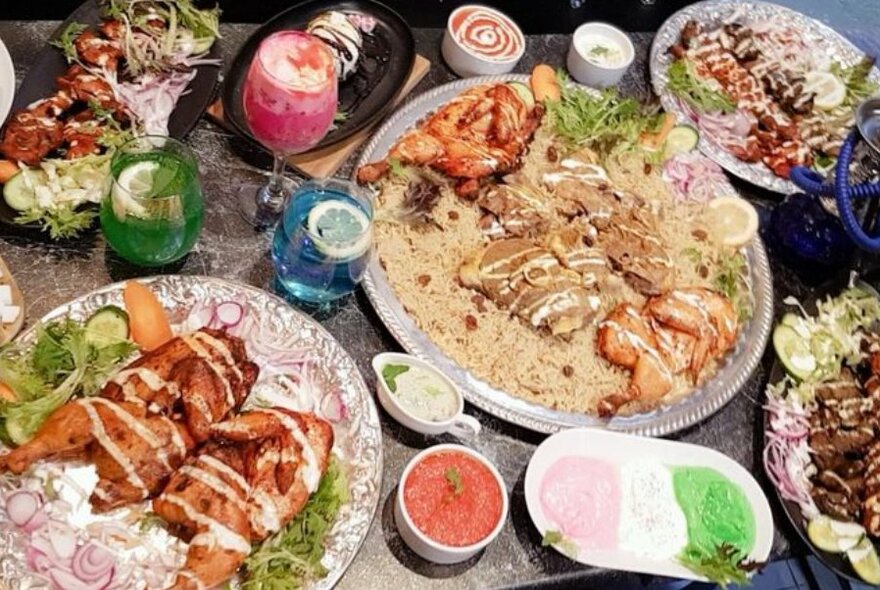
x: 581, y: 496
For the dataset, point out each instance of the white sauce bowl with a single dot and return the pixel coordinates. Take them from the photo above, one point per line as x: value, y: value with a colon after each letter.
x: 467, y: 62
x: 459, y: 424
x: 423, y: 545
x: 590, y: 73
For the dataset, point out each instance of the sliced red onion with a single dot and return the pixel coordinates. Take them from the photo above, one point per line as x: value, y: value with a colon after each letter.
x: 333, y: 407
x: 63, y: 539
x: 66, y: 580
x: 229, y: 313
x: 37, y: 560
x: 92, y: 561
x: 37, y: 520
x: 22, y: 505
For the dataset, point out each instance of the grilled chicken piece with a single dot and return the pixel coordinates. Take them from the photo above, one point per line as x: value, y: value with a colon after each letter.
x: 81, y: 134
x: 134, y: 453
x: 871, y: 504
x: 531, y: 282
x: 203, y: 376
x: 36, y: 131
x: 93, y: 50
x: 261, y: 467
x: 481, y: 132
x: 86, y: 87
x: 674, y: 333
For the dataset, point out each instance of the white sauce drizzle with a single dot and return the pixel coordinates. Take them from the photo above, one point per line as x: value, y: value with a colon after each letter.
x: 311, y: 472
x: 195, y: 345
x: 215, y: 483
x: 101, y: 437
x: 217, y: 532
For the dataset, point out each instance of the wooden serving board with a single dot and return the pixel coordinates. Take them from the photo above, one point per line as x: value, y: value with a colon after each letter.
x: 325, y: 162
x: 8, y: 331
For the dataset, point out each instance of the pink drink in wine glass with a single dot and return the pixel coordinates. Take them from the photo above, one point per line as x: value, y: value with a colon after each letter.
x: 290, y: 100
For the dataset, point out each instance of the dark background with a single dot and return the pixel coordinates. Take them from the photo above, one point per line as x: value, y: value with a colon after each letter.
x: 534, y: 16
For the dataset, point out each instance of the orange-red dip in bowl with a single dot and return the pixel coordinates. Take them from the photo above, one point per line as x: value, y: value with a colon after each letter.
x: 453, y: 514
x: 487, y: 33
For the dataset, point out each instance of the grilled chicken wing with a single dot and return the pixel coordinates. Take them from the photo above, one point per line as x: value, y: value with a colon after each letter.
x: 678, y: 332
x: 203, y: 376
x: 134, y: 453
x: 254, y: 477
x: 481, y: 132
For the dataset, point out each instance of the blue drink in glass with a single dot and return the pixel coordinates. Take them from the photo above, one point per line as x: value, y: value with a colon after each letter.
x: 322, y: 243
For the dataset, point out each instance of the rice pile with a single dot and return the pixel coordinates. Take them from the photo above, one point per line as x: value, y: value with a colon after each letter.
x: 422, y: 262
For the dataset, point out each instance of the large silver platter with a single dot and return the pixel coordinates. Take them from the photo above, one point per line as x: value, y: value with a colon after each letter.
x: 358, y: 442
x: 821, y: 39
x: 732, y: 374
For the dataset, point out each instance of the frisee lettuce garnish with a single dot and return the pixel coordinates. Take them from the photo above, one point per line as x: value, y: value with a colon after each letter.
x: 292, y: 556
x: 45, y: 374
x: 605, y: 123
x: 724, y: 567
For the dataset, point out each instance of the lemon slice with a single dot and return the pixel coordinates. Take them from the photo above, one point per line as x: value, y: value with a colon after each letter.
x: 733, y: 221
x: 863, y: 558
x: 341, y: 231
x: 134, y: 182
x: 834, y: 536
x: 830, y: 91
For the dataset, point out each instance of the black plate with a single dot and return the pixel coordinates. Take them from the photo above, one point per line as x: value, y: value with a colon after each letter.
x: 50, y: 63
x: 388, y: 56
x: 837, y: 562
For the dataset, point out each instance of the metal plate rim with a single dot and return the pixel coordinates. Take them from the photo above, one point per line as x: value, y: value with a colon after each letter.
x: 371, y: 418
x: 757, y: 173
x: 690, y: 410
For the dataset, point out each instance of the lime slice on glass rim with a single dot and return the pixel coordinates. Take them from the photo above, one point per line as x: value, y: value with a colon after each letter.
x: 340, y: 230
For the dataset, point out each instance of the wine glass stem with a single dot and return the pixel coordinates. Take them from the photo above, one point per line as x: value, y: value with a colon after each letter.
x: 275, y: 192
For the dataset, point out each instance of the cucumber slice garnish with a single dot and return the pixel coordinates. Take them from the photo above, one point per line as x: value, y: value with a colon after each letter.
x: 524, y: 92
x: 18, y: 194
x: 794, y: 352
x: 834, y: 536
x: 107, y: 325
x: 681, y: 139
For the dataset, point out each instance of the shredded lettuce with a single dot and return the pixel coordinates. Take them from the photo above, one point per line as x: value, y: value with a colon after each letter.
x: 835, y: 332
x: 704, y: 95
x: 855, y: 77
x: 292, y: 556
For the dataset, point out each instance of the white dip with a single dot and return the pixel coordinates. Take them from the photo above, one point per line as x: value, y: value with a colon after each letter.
x: 651, y: 522
x: 600, y: 50
x: 421, y: 392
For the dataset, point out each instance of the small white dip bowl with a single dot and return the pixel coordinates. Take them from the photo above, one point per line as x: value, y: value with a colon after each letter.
x: 589, y: 72
x: 471, y: 32
x: 459, y: 424
x: 423, y: 545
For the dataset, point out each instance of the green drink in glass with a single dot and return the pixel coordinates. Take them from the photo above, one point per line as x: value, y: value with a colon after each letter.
x: 153, y: 213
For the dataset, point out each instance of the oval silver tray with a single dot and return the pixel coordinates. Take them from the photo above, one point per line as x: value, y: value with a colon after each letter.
x: 820, y: 37
x: 358, y: 444
x: 732, y: 373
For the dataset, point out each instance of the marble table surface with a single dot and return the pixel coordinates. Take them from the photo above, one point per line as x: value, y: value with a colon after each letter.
x: 50, y: 275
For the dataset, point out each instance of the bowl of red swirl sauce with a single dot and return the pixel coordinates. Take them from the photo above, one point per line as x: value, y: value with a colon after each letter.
x: 481, y: 41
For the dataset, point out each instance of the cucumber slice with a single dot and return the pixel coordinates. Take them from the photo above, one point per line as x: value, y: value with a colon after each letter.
x: 823, y: 347
x: 18, y: 194
x: 834, y: 536
x: 793, y: 352
x: 524, y: 92
x: 107, y: 326
x: 864, y: 560
x: 681, y: 139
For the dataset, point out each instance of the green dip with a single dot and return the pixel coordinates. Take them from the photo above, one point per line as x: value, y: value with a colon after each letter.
x: 716, y: 509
